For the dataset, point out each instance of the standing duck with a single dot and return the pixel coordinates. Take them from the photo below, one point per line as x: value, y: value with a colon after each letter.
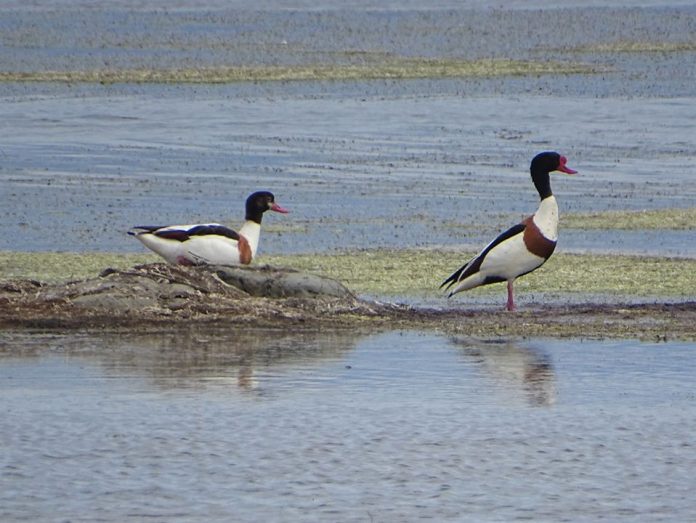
x: 210, y: 243
x: 522, y: 248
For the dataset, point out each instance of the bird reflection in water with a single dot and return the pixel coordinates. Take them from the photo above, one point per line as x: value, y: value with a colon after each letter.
x: 199, y: 358
x: 519, y: 372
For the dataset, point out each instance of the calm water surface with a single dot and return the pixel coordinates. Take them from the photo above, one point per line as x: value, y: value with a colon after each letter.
x: 405, y: 172
x: 397, y: 426
x: 411, y: 163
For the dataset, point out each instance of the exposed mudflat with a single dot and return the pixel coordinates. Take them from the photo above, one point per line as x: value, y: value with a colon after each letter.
x: 154, y: 294
x: 161, y: 297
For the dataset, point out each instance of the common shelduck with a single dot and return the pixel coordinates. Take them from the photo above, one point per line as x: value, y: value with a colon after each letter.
x: 522, y: 248
x: 210, y: 243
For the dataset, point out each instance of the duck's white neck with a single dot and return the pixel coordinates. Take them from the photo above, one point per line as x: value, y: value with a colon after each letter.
x: 546, y: 218
x: 251, y: 231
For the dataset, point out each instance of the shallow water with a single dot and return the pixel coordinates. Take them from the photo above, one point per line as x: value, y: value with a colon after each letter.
x: 417, y: 163
x: 265, y: 426
x: 400, y: 172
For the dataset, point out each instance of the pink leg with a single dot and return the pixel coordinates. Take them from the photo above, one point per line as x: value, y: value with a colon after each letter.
x: 511, y: 300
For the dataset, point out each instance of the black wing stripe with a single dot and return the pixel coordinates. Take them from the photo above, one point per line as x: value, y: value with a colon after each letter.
x: 143, y: 229
x: 185, y: 234
x: 172, y: 234
x: 454, y: 277
x: 217, y: 230
x: 149, y: 228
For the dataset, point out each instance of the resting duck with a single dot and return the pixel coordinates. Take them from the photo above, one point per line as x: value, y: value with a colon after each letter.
x: 522, y: 248
x: 210, y: 243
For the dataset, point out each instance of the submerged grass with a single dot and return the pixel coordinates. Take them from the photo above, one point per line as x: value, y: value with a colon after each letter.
x: 417, y: 273
x: 391, y: 68
x: 628, y: 46
x: 666, y: 219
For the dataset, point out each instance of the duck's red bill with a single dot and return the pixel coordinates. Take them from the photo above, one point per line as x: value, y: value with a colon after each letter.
x: 564, y: 168
x: 277, y: 208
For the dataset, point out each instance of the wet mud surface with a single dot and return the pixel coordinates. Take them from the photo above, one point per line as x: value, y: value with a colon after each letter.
x: 161, y: 297
x: 148, y: 295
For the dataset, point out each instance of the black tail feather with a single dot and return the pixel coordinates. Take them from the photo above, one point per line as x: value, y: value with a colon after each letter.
x: 463, y: 272
x: 454, y: 277
x: 138, y: 229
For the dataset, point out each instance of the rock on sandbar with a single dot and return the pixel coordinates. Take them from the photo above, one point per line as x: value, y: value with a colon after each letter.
x: 155, y: 292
